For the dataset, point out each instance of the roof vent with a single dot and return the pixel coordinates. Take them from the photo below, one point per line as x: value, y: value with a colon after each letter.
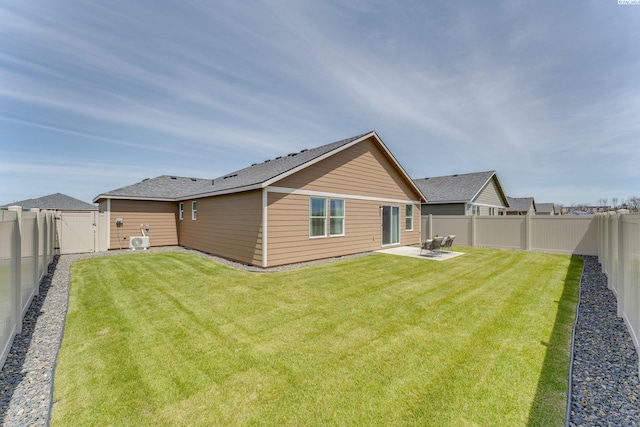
x: 174, y: 177
x: 292, y: 154
x: 302, y: 151
x: 279, y: 157
x: 193, y: 179
x: 455, y: 175
x: 213, y: 182
x: 267, y: 160
x: 253, y: 164
x: 146, y: 179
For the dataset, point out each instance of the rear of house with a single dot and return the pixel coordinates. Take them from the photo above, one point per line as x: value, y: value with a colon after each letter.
x: 347, y: 197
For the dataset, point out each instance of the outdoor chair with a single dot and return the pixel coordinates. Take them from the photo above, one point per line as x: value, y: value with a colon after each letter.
x: 437, y: 244
x: 426, y: 246
x: 448, y: 242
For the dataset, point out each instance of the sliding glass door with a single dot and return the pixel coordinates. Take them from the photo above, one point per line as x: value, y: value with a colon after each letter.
x: 390, y: 225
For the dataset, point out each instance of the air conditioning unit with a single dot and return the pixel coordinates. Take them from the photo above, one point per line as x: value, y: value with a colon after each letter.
x: 138, y: 242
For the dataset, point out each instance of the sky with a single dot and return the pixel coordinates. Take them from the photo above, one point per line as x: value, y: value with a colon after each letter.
x: 97, y: 95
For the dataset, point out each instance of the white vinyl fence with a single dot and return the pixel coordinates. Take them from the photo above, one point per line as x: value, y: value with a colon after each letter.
x: 542, y: 233
x: 26, y: 250
x: 619, y: 254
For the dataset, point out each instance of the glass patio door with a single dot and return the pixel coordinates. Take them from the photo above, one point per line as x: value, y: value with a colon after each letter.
x: 390, y: 225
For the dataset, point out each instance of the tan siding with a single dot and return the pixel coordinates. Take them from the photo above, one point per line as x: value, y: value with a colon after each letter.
x: 161, y: 217
x: 361, y: 169
x: 288, y: 235
x: 490, y: 195
x: 228, y: 226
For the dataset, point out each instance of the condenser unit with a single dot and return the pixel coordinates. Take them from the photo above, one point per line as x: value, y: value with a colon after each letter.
x: 138, y: 242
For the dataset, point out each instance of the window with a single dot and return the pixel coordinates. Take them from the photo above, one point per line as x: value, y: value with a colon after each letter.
x: 408, y: 218
x: 181, y: 208
x: 194, y: 210
x: 492, y: 211
x: 317, y: 217
x: 336, y: 217
x: 475, y: 210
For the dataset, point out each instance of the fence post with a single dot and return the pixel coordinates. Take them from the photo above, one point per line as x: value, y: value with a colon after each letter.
x: 527, y: 232
x: 16, y: 277
x: 473, y: 231
x: 430, y: 226
x: 36, y: 252
x: 620, y: 279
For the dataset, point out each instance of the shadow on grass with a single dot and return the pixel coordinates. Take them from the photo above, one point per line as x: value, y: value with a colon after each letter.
x: 13, y: 372
x: 550, y: 402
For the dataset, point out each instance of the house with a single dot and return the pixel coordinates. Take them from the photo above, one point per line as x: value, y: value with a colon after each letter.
x: 478, y: 193
x: 546, y: 209
x: 342, y: 198
x: 521, y: 206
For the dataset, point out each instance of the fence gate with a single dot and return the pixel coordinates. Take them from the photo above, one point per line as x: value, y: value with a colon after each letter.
x: 79, y: 232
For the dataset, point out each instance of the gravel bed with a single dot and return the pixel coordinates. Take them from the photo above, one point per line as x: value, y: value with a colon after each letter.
x: 605, y: 386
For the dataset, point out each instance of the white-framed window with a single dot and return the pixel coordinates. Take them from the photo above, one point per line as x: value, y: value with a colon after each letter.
x: 317, y: 217
x: 475, y: 210
x: 194, y: 210
x: 336, y: 217
x: 408, y: 218
x: 181, y: 210
x: 492, y: 211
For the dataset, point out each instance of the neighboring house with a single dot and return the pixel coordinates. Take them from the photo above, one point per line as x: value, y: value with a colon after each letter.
x: 347, y: 197
x: 546, y: 209
x: 478, y: 193
x: 57, y: 201
x: 521, y: 206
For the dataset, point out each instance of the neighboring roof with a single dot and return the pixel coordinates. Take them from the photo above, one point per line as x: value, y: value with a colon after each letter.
x: 255, y: 176
x: 521, y: 204
x: 458, y: 188
x: 57, y: 201
x: 545, y: 207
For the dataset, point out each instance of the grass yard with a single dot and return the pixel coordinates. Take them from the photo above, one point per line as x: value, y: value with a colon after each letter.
x: 175, y: 339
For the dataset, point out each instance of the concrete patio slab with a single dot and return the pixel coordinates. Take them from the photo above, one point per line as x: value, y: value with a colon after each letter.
x: 415, y: 252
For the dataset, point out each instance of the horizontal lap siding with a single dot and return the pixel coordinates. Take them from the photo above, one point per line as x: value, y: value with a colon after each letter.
x: 160, y: 216
x: 490, y: 195
x: 362, y: 169
x: 229, y: 226
x: 289, y: 241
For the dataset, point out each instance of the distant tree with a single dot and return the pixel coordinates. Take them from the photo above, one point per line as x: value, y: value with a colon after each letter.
x: 614, y: 202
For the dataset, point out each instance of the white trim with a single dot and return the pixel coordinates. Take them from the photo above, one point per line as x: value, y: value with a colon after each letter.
x: 413, y: 215
x: 326, y: 218
x: 382, y: 225
x: 265, y: 222
x: 312, y: 193
x: 343, y: 217
x: 108, y: 224
x: 194, y: 212
x: 181, y: 211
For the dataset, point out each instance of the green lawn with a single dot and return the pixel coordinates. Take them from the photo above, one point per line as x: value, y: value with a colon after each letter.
x: 175, y: 339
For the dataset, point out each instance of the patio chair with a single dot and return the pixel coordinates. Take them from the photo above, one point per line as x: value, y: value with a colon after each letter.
x: 427, y: 245
x: 437, y: 244
x: 448, y: 242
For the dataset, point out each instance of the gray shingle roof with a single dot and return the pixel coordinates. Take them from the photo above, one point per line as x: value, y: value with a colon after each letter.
x: 165, y: 187
x: 453, y: 188
x: 57, y: 201
x: 520, y: 204
x: 179, y: 188
x: 545, y: 207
